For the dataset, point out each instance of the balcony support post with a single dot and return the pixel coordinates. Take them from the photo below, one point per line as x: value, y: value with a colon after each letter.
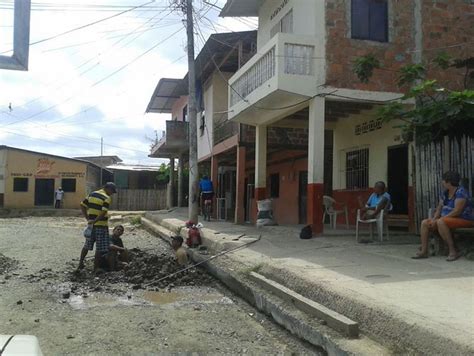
x: 170, y: 195
x: 316, y: 164
x: 180, y: 180
x: 240, y: 186
x: 260, y: 162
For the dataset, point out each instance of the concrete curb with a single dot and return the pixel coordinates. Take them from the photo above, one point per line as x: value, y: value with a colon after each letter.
x: 379, y: 323
x: 298, y: 323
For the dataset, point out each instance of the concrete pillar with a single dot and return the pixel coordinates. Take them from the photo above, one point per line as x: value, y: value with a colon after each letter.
x: 169, y: 200
x: 240, y: 186
x: 260, y: 162
x: 316, y: 164
x: 214, y: 178
x: 180, y: 181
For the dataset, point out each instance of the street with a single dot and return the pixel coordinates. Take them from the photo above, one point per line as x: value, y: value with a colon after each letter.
x: 110, y: 314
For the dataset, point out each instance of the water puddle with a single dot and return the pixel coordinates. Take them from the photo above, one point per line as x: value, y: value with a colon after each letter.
x: 80, y: 302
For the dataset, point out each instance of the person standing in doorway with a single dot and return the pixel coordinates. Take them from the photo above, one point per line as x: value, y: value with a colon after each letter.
x: 95, y: 209
x: 58, y: 197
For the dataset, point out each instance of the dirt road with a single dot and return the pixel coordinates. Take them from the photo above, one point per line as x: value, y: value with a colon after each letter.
x: 104, y: 315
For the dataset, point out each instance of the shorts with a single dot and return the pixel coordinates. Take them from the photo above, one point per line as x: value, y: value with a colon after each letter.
x: 207, y: 196
x: 100, y: 236
x: 457, y: 223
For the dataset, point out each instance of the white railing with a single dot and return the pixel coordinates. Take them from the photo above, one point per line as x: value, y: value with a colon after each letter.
x: 254, y: 77
x: 299, y: 59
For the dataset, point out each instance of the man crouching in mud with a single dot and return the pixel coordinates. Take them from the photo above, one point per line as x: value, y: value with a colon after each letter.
x: 95, y: 209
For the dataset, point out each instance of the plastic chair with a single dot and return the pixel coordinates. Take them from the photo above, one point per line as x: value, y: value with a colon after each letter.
x: 329, y: 209
x: 380, y: 221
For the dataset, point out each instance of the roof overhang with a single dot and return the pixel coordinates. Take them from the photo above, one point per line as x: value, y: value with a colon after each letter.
x: 241, y: 8
x: 165, y: 95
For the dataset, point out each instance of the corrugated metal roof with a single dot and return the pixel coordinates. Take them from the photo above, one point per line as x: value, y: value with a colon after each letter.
x: 135, y: 168
x: 166, y: 93
x: 241, y: 8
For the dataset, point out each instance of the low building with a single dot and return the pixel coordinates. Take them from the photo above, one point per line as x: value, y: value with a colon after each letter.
x: 29, y: 179
x: 128, y: 176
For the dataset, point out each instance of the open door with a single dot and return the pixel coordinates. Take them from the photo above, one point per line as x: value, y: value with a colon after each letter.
x: 303, y: 197
x: 397, y: 178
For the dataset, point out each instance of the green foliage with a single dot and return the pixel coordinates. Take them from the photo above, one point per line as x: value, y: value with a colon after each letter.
x: 364, y: 67
x: 136, y: 220
x: 410, y: 73
x: 438, y: 111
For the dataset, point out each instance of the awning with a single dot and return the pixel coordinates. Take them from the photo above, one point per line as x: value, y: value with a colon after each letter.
x: 166, y: 93
x: 241, y: 8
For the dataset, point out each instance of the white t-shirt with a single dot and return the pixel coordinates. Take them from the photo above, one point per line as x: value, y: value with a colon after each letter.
x: 59, y: 194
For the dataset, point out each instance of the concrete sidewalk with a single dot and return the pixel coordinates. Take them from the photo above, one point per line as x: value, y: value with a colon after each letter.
x: 426, y: 306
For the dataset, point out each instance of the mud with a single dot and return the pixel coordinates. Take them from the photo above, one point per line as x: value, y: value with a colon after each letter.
x: 82, y: 314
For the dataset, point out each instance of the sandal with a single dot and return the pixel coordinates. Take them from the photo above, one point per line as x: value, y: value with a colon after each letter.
x: 420, y: 256
x: 453, y: 258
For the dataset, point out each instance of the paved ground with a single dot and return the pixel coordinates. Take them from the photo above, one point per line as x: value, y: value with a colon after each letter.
x: 116, y: 319
x: 433, y: 293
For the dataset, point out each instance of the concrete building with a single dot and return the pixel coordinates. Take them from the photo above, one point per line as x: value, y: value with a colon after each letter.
x: 136, y: 176
x: 301, y: 77
x: 29, y: 179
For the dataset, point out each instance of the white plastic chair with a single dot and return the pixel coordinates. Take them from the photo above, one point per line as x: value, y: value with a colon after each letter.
x: 380, y: 221
x: 329, y: 209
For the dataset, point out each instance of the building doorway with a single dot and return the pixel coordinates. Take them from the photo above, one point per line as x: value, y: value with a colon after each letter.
x: 302, y: 196
x: 397, y: 178
x: 44, y: 192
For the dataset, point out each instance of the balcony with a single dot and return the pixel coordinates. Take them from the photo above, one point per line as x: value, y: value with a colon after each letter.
x: 175, y: 141
x: 284, y: 72
x: 224, y: 130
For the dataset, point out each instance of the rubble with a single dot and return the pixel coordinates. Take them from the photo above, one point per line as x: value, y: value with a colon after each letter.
x: 7, y: 264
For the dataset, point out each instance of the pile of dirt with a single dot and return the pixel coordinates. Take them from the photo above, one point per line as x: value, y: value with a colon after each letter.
x: 7, y: 264
x: 145, y: 271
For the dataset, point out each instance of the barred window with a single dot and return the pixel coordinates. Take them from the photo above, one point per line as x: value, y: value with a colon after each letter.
x: 20, y: 184
x: 357, y: 169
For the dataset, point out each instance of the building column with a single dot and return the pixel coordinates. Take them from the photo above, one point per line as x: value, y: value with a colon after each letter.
x: 240, y: 186
x: 316, y: 164
x: 214, y: 178
x: 180, y: 181
x: 260, y: 162
x: 169, y: 200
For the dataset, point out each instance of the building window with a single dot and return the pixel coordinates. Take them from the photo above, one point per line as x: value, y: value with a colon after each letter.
x: 357, y: 169
x: 68, y: 185
x: 285, y: 25
x: 369, y: 20
x: 274, y: 185
x: 20, y: 184
x: 185, y: 113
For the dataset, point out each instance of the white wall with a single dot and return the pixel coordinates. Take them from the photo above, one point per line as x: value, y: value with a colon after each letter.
x: 215, y: 103
x: 3, y: 162
x: 376, y: 141
x: 308, y: 18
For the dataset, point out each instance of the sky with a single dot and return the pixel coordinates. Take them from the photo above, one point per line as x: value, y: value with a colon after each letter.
x: 96, y: 82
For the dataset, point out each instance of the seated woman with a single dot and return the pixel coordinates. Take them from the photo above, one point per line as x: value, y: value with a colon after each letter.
x: 454, y: 211
x: 379, y: 200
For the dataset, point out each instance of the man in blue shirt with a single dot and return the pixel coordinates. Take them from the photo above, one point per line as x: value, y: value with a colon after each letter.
x: 379, y: 200
x: 207, y: 193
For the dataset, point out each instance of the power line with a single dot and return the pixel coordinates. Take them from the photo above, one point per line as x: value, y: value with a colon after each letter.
x: 86, y: 25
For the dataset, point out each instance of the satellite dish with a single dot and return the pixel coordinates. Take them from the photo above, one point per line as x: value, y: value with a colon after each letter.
x: 21, y: 38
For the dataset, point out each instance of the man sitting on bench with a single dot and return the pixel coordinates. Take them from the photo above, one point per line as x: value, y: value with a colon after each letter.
x: 454, y: 211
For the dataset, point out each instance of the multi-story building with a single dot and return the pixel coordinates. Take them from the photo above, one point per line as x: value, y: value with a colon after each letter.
x: 301, y: 76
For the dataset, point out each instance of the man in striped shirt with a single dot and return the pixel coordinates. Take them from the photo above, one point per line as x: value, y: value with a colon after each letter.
x: 95, y: 209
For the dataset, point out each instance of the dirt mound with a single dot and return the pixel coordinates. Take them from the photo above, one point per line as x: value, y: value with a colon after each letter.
x: 145, y: 270
x: 7, y: 264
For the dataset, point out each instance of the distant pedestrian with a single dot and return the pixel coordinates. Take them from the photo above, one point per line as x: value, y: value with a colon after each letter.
x: 95, y: 209
x: 58, y: 197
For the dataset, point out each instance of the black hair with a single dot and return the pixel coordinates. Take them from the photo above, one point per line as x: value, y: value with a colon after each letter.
x: 452, y: 177
x: 178, y: 239
x: 381, y: 183
x: 119, y: 226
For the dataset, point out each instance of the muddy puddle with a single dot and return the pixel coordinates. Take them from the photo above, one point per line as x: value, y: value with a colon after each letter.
x: 177, y: 297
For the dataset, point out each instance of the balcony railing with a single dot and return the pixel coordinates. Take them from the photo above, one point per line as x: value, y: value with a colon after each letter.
x: 174, y: 141
x: 224, y: 130
x: 287, y: 62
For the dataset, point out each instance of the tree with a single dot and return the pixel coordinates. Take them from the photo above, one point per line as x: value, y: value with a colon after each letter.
x: 438, y: 111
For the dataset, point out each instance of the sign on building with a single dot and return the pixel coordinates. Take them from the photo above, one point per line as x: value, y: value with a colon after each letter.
x: 21, y: 38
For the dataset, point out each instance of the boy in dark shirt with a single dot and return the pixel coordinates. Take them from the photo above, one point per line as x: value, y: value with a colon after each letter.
x: 118, y: 254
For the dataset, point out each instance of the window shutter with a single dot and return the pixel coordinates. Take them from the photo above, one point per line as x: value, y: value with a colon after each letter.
x: 360, y: 19
x: 378, y: 20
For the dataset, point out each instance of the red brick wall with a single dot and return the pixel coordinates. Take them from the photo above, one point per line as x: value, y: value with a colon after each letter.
x: 447, y: 23
x: 341, y: 50
x: 278, y: 136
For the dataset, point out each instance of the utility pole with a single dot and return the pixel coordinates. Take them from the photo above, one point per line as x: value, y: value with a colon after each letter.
x: 192, y: 112
x: 101, y: 160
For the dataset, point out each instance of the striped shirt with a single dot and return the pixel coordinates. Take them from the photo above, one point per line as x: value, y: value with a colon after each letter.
x: 96, y: 203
